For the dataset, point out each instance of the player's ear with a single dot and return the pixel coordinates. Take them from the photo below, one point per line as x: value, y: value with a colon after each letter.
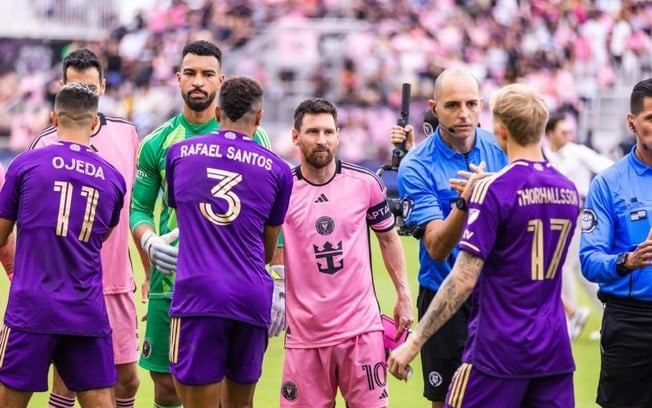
x: 102, y: 89
x: 218, y: 114
x: 96, y: 121
x: 259, y: 117
x: 54, y: 118
x: 295, y: 137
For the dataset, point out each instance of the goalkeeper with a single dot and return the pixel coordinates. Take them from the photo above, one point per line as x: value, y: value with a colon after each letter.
x: 199, y: 79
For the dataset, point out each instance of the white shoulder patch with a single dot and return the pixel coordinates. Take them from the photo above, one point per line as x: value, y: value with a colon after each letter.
x: 589, y: 220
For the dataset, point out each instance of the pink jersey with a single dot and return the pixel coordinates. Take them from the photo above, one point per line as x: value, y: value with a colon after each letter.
x: 329, y: 285
x: 116, y: 141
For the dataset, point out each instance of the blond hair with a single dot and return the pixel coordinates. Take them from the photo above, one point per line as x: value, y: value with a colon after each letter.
x: 522, y: 110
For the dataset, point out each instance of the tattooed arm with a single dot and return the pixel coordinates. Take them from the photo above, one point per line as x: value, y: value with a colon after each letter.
x: 454, y: 291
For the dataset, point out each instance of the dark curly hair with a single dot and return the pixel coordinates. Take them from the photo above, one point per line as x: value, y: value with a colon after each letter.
x: 203, y: 48
x: 240, y: 96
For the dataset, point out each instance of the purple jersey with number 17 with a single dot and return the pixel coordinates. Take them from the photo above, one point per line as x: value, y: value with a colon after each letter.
x: 520, y: 223
x: 64, y: 199
x: 225, y: 188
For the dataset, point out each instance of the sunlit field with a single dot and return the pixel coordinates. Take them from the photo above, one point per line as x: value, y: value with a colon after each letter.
x: 402, y: 394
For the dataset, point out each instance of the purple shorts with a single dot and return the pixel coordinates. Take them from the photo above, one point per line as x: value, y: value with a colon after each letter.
x: 205, y: 349
x: 475, y: 389
x: 84, y: 363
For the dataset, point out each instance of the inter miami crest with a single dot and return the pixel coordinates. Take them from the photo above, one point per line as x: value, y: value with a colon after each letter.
x: 289, y: 390
x: 147, y: 348
x: 324, y: 225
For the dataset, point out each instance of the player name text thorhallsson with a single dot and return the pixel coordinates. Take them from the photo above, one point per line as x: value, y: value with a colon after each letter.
x: 232, y: 153
x: 547, y: 195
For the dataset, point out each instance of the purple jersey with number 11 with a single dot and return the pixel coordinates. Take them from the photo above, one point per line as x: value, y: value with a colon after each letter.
x: 64, y: 199
x: 520, y: 223
x: 226, y: 188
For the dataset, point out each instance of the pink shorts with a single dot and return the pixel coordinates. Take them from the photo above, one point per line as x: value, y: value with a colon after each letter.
x: 123, y: 319
x: 357, y: 366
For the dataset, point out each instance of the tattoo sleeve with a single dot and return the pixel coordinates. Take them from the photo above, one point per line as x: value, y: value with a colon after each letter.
x: 454, y: 291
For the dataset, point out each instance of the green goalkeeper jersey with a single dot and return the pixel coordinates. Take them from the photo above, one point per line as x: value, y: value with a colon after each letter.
x: 150, y: 179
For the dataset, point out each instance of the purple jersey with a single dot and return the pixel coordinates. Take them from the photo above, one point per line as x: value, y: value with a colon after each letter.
x: 226, y: 188
x: 64, y: 199
x: 520, y: 223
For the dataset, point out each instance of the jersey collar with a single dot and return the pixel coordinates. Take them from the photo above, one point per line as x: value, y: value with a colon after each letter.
x: 640, y: 167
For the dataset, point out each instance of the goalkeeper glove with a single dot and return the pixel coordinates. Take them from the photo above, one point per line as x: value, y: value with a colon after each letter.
x: 278, y: 301
x: 162, y: 255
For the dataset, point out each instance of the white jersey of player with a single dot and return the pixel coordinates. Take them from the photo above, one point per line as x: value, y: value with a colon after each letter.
x: 329, y: 283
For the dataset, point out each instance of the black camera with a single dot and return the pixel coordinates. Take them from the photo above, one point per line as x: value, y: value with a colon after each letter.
x: 401, y: 208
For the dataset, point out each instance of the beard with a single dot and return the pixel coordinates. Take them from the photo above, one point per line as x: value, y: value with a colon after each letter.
x: 199, y: 105
x: 317, y: 160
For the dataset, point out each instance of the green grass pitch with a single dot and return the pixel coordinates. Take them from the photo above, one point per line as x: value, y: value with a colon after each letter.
x: 402, y: 394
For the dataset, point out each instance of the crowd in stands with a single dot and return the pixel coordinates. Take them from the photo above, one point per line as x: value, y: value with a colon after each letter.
x: 570, y: 50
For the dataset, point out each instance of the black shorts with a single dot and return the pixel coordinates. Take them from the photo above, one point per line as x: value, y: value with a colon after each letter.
x: 626, y: 357
x: 442, y: 353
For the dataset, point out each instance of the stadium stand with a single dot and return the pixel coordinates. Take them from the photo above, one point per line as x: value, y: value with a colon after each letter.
x: 582, y: 55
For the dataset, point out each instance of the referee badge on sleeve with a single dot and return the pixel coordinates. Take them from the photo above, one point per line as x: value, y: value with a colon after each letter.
x: 589, y: 220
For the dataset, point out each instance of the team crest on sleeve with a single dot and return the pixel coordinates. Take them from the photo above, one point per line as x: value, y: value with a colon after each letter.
x: 289, y: 390
x: 589, y: 220
x: 474, y: 213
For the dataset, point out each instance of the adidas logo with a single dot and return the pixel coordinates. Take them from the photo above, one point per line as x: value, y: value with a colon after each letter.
x: 322, y: 198
x: 384, y: 394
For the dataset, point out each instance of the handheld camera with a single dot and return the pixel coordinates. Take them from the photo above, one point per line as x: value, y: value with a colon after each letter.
x: 400, y: 207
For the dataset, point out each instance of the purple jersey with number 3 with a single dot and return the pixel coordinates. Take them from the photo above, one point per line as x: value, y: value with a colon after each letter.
x: 520, y: 223
x: 64, y: 199
x: 226, y: 188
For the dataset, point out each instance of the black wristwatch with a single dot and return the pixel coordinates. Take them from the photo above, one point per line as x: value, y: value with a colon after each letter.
x: 621, y: 269
x: 461, y: 204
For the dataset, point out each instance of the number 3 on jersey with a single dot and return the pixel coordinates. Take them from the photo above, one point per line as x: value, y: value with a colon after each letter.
x: 65, y: 199
x: 222, y: 190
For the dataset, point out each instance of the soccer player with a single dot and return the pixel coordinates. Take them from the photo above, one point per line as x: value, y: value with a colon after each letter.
x: 516, y: 238
x: 66, y: 199
x: 428, y: 175
x: 230, y: 196
x: 116, y: 140
x: 616, y: 253
x: 7, y: 251
x: 199, y: 79
x: 334, y: 336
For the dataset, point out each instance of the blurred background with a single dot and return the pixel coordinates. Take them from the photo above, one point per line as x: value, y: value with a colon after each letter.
x: 584, y: 56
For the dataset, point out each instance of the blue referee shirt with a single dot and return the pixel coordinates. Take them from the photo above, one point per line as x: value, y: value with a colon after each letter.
x: 616, y: 218
x: 424, y: 176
